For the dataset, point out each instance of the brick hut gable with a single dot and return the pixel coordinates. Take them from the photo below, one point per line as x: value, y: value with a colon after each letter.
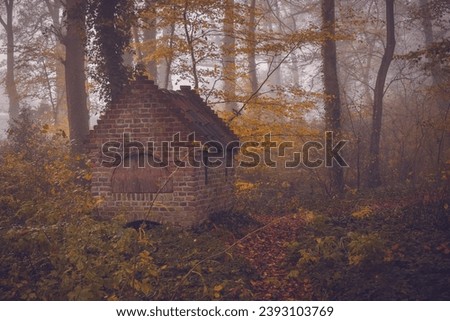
x: 199, y: 117
x: 174, y: 195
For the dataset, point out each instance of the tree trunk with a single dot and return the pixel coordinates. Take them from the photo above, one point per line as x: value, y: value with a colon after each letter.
x: 190, y: 44
x: 165, y: 72
x: 331, y: 88
x: 112, y: 22
x: 374, y: 177
x: 229, y: 57
x: 274, y: 63
x: 429, y: 37
x: 11, y: 88
x: 61, y: 100
x: 251, y: 44
x: 60, y: 113
x: 149, y: 40
x: 439, y: 87
x: 294, y: 62
x: 74, y: 40
x: 149, y: 34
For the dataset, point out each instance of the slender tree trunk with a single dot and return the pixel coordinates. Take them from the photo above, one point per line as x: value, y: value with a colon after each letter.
x: 229, y: 57
x: 61, y: 100
x: 440, y: 88
x: 331, y: 88
x: 165, y: 72
x: 367, y: 69
x: 74, y: 40
x: 429, y: 37
x: 294, y: 70
x: 295, y: 62
x: 54, y: 8
x: 251, y: 43
x: 11, y: 88
x: 190, y: 43
x: 274, y: 62
x: 374, y: 177
x: 150, y: 38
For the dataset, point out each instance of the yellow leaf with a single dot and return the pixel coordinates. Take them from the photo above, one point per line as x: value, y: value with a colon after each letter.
x: 145, y: 288
x: 218, y: 288
x: 362, y: 213
x: 87, y: 176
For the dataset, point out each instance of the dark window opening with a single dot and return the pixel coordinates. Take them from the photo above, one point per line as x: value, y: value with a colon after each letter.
x: 146, y: 225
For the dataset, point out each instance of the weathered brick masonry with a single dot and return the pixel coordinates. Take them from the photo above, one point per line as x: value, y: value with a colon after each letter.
x: 144, y: 114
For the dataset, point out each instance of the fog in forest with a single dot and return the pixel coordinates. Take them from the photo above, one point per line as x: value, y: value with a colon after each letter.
x: 354, y: 92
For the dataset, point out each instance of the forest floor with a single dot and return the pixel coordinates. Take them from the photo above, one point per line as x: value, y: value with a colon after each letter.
x: 267, y: 254
x: 395, y: 247
x: 249, y: 262
x: 366, y: 246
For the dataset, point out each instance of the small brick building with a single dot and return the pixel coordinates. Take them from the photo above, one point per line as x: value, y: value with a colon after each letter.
x: 139, y: 147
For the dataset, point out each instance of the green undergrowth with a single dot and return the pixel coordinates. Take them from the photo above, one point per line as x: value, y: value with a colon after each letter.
x: 53, y: 247
x: 195, y: 266
x: 393, y: 246
x: 389, y: 244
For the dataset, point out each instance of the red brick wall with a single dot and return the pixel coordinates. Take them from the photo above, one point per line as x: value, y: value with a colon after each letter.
x: 144, y: 113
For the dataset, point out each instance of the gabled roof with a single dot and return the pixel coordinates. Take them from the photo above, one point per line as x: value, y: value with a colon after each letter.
x: 185, y: 104
x: 198, y: 116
